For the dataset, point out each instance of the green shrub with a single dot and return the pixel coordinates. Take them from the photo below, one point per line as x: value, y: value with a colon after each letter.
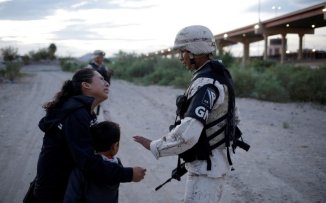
x: 318, y: 85
x: 259, y: 79
x: 283, y: 73
x: 140, y: 68
x: 26, y: 59
x: 268, y: 87
x: 261, y: 65
x: 121, y: 63
x: 2, y: 74
x: 181, y: 81
x: 9, y: 53
x: 70, y: 65
x: 308, y: 85
x: 41, y: 54
x: 150, y: 70
x: 227, y: 58
x: 281, y: 83
x: 12, y: 71
x: 244, y: 81
x: 169, y: 72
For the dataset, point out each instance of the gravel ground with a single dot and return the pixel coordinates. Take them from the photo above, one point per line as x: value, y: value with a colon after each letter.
x: 286, y: 162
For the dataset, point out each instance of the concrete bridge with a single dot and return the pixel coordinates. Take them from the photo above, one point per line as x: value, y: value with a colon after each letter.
x: 300, y: 22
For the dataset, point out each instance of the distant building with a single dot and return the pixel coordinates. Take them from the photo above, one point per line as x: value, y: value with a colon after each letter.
x: 275, y: 47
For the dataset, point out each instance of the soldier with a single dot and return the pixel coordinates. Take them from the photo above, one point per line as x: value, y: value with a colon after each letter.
x: 203, y: 112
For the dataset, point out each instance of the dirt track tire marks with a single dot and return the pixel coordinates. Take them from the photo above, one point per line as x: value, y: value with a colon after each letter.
x: 20, y: 136
x: 138, y: 111
x: 286, y: 161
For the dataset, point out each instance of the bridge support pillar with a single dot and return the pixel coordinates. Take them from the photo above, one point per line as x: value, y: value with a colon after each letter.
x: 300, y: 46
x: 245, y: 56
x: 283, y: 51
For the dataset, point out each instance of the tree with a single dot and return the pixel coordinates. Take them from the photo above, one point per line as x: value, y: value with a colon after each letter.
x: 52, y: 49
x: 227, y: 58
x: 9, y: 54
x: 41, y: 54
x: 13, y: 66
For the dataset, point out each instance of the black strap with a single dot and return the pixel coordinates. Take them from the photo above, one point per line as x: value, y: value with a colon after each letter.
x: 209, y: 164
x: 218, y: 144
x: 216, y: 133
x: 229, y: 157
x: 217, y: 121
x: 179, y: 162
x: 98, y: 110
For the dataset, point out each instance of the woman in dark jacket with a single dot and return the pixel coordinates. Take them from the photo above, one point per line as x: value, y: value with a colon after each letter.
x: 67, y: 142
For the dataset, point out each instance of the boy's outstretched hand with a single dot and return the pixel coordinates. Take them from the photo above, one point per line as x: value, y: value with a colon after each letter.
x: 138, y: 173
x: 143, y: 141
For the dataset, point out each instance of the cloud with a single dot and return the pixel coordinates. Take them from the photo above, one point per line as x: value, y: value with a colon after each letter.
x: 77, y: 26
x: 75, y: 32
x: 29, y: 10
x: 115, y: 4
x: 39, y: 9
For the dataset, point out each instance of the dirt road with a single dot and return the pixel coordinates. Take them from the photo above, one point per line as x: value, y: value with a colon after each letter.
x: 286, y: 163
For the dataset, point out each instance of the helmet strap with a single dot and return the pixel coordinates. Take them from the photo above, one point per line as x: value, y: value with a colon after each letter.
x: 192, y: 61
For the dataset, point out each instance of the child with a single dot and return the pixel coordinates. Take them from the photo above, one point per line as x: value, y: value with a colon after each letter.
x: 106, y: 136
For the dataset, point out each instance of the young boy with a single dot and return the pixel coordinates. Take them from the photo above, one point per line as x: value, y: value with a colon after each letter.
x: 106, y: 136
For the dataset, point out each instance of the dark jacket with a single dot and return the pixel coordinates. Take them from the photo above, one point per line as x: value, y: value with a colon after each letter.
x: 67, y: 143
x: 82, y: 190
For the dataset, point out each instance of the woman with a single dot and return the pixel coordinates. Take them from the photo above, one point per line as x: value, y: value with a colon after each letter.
x: 67, y: 142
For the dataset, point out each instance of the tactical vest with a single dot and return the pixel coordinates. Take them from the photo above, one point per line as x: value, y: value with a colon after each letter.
x: 221, y: 120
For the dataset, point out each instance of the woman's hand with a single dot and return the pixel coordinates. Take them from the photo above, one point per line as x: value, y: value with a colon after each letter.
x: 138, y: 174
x: 143, y: 141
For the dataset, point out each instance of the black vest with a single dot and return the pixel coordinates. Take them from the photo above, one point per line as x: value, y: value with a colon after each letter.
x: 202, y: 149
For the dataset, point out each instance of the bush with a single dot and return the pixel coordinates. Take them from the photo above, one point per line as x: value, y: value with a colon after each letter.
x: 168, y: 72
x: 244, y: 81
x: 12, y: 71
x: 150, y: 70
x: 261, y: 65
x: 41, y: 54
x: 181, y: 81
x: 139, y: 68
x: 269, y: 88
x: 12, y: 65
x: 281, y: 83
x: 227, y: 58
x: 70, y: 65
x: 308, y: 85
x: 283, y: 73
x: 259, y: 79
x: 9, y: 54
x: 26, y: 59
x: 121, y: 63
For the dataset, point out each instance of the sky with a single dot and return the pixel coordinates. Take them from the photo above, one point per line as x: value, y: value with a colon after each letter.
x: 78, y: 27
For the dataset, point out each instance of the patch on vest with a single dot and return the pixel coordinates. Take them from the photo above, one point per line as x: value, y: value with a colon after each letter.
x: 201, y: 112
x: 209, y: 98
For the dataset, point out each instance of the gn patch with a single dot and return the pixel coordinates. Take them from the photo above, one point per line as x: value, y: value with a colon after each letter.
x: 209, y: 98
x: 201, y: 112
x: 202, y: 103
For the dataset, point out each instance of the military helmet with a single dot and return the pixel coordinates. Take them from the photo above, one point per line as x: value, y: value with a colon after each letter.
x: 196, y: 39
